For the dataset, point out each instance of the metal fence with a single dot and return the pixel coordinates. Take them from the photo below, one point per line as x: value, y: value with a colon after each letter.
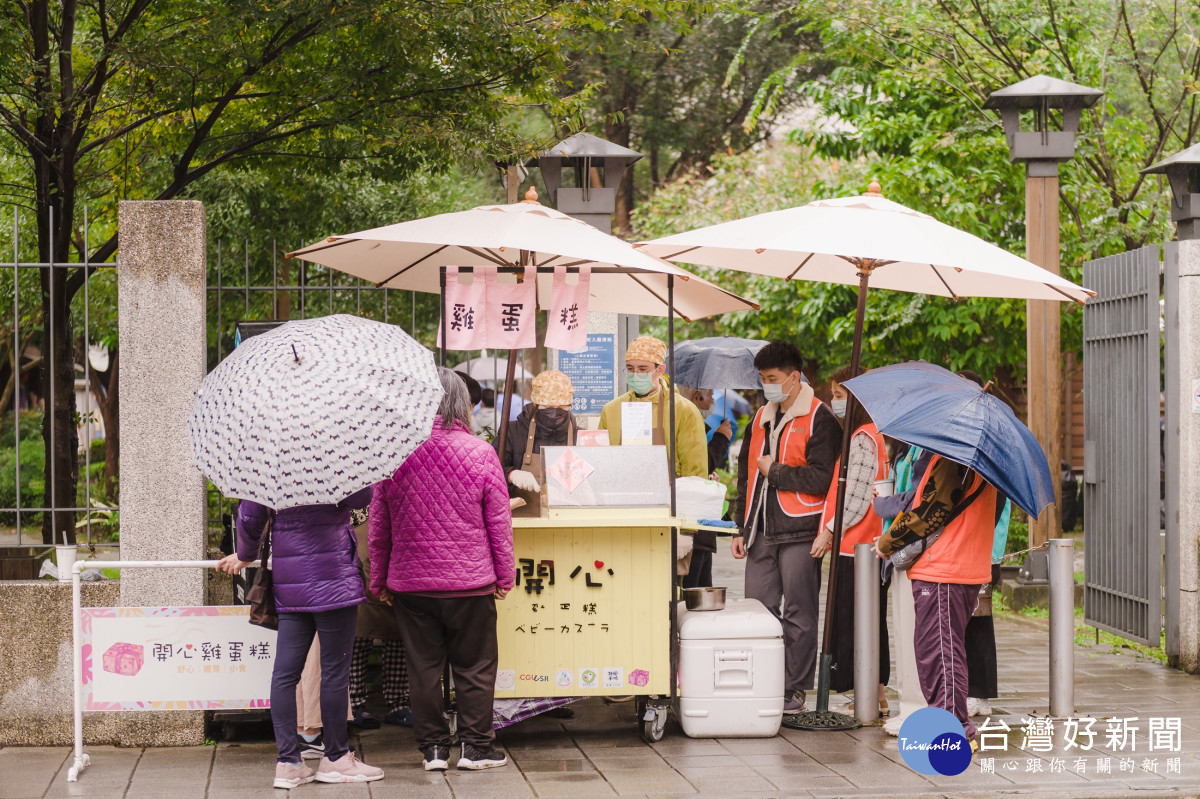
x: 1122, y: 374
x: 29, y: 335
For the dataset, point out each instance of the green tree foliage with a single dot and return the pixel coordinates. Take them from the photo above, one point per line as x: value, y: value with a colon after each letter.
x: 904, y: 105
x: 140, y: 99
x: 678, y: 81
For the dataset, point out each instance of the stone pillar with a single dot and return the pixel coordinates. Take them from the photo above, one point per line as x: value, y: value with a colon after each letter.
x: 161, y: 312
x: 1185, y: 362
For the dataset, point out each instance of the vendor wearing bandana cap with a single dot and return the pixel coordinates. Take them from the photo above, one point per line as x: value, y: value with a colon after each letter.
x: 549, y: 410
x: 645, y: 367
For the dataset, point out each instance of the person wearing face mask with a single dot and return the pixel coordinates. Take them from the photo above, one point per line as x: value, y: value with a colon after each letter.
x: 860, y: 525
x: 645, y: 368
x: 546, y: 421
x: 784, y: 472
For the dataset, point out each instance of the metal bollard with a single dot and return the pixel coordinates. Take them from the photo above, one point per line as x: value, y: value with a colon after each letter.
x: 1062, y: 627
x: 866, y: 634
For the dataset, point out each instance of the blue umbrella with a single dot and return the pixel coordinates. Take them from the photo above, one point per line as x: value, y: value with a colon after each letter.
x: 930, y: 407
x: 717, y: 362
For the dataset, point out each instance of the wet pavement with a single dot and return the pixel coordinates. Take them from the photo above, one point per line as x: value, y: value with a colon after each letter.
x: 599, y: 751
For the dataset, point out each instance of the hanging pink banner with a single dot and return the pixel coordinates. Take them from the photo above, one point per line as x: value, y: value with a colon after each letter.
x: 566, y: 326
x: 511, y: 313
x: 466, y: 312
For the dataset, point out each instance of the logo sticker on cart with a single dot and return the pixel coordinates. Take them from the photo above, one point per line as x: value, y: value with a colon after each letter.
x: 589, y: 678
x: 506, y: 679
x: 614, y: 677
x: 563, y: 678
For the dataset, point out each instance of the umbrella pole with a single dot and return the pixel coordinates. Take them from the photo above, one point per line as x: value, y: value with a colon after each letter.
x: 670, y: 399
x: 822, y: 718
x: 442, y: 301
x: 510, y: 374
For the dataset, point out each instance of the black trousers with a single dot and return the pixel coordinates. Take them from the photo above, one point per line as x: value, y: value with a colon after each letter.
x: 461, y: 630
x: 982, y: 678
x: 841, y: 675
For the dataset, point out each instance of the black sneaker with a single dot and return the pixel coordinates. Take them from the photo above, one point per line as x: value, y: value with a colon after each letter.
x: 475, y: 758
x: 311, y: 750
x: 364, y: 720
x: 437, y: 758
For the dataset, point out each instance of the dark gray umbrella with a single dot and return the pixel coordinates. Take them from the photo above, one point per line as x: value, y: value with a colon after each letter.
x: 717, y: 362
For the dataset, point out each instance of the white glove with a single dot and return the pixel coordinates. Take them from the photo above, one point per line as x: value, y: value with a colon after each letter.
x: 523, y: 480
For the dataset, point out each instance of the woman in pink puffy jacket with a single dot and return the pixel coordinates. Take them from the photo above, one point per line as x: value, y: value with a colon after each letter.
x: 441, y: 554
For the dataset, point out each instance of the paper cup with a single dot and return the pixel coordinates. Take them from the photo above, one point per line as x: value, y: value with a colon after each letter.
x: 66, y: 561
x: 885, y: 488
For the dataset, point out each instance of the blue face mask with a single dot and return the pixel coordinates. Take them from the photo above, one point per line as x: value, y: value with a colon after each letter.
x: 639, y: 383
x: 839, y: 408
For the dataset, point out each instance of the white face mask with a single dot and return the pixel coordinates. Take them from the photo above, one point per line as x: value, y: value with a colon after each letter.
x: 839, y: 408
x: 775, y: 392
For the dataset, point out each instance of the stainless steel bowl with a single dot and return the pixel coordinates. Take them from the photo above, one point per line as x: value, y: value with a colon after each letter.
x: 704, y: 598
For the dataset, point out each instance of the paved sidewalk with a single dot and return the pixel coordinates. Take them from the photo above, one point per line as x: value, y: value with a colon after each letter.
x: 599, y: 753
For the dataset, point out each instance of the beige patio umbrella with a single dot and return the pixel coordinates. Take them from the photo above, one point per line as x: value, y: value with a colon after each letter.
x: 408, y: 256
x: 516, y: 238
x: 871, y: 242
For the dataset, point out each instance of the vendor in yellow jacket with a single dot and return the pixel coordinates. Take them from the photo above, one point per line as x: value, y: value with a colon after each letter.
x: 645, y: 365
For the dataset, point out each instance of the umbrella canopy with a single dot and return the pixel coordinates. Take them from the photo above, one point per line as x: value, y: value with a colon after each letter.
x: 824, y: 240
x: 717, y: 362
x: 932, y: 408
x: 489, y: 369
x: 624, y: 280
x: 314, y: 410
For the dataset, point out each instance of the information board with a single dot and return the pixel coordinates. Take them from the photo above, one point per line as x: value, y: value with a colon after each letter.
x: 592, y: 372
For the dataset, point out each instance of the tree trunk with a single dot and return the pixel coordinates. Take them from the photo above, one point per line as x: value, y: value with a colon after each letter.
x: 106, y: 389
x: 58, y: 426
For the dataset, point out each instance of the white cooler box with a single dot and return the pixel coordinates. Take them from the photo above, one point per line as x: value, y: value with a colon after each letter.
x: 730, y: 671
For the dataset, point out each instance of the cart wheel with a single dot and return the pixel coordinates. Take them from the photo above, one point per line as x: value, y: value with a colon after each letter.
x: 654, y: 723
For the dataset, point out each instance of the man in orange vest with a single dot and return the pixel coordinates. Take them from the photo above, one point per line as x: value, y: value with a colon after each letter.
x: 784, y: 472
x: 947, y: 576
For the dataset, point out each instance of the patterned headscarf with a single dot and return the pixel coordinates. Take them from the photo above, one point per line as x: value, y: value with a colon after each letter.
x: 551, y: 387
x: 647, y: 348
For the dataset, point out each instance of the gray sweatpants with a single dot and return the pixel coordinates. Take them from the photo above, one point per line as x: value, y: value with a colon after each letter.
x: 787, y: 579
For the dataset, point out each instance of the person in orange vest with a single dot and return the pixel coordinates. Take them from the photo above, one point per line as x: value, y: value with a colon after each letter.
x: 860, y: 525
x: 785, y: 469
x: 946, y: 577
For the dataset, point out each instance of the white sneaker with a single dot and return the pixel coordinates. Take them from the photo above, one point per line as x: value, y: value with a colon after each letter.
x: 892, y: 726
x: 978, y: 707
x: 347, y: 768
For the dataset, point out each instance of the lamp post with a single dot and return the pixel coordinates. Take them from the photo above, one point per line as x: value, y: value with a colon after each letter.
x: 1042, y: 150
x: 588, y: 159
x: 1181, y: 296
x: 584, y: 153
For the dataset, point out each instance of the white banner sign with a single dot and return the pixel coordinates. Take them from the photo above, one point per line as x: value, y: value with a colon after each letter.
x: 197, y: 658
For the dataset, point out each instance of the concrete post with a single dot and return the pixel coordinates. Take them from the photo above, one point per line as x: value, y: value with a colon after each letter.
x: 161, y: 285
x: 866, y: 633
x: 1062, y: 627
x: 1185, y: 362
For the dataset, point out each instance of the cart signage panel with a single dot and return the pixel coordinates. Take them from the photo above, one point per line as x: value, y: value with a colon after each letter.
x: 589, y: 614
x: 187, y: 658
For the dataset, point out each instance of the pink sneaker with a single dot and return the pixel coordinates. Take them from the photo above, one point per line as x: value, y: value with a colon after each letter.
x: 292, y: 775
x: 347, y: 768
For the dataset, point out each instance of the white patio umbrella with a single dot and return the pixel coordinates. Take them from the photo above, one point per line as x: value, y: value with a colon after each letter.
x: 624, y: 280
x: 828, y: 240
x: 871, y: 242
x: 414, y: 255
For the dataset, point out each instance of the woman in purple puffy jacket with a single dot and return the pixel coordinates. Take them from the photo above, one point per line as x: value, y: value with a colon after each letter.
x: 318, y: 588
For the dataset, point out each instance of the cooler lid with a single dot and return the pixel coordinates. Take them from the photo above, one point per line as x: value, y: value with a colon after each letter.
x: 741, y: 618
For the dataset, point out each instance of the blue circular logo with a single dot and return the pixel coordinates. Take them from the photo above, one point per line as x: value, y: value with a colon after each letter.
x: 932, y: 742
